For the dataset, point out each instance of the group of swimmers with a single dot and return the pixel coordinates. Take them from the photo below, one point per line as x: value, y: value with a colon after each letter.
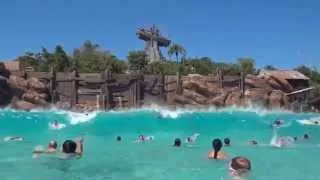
x: 238, y: 166
x: 69, y: 149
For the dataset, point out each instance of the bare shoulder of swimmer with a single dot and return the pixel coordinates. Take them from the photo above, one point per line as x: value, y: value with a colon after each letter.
x: 221, y: 155
x: 79, y: 142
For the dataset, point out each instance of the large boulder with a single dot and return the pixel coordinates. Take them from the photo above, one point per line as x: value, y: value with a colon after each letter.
x: 253, y: 81
x: 219, y: 100
x: 234, y: 98
x: 36, y: 84
x: 34, y: 97
x: 194, y: 96
x: 183, y: 100
x: 5, y: 73
x: 200, y: 88
x: 17, y: 82
x: 23, y: 105
x: 276, y: 99
x: 257, y: 96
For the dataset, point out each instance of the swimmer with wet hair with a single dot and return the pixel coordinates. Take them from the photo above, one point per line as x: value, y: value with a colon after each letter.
x: 253, y: 142
x: 52, y: 147
x: 177, y: 142
x: 277, y: 123
x: 216, y: 153
x: 192, y: 139
x: 226, y: 142
x: 239, y: 166
x: 13, y: 138
x: 72, y: 149
x: 306, y: 136
x: 118, y: 138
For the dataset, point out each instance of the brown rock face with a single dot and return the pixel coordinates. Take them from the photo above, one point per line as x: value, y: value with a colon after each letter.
x: 36, y: 84
x: 183, y: 100
x: 257, y: 96
x: 234, y: 98
x: 194, y: 96
x: 253, y: 81
x: 276, y: 99
x: 34, y: 97
x: 23, y: 105
x: 17, y: 83
x: 219, y: 100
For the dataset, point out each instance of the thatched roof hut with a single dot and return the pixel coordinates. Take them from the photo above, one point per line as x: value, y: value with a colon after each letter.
x: 291, y: 79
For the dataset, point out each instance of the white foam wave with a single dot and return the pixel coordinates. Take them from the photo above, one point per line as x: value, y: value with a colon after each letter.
x: 75, y: 117
x: 164, y: 111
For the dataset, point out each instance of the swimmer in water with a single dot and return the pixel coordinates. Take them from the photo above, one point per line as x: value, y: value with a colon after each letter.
x: 119, y: 138
x: 253, y: 142
x: 239, y: 167
x: 295, y: 138
x: 306, y: 136
x: 277, y: 123
x: 52, y: 148
x: 283, y: 141
x: 72, y: 149
x: 177, y: 142
x: 216, y: 153
x: 141, y: 138
x: 13, y: 138
x: 226, y: 142
x: 192, y: 139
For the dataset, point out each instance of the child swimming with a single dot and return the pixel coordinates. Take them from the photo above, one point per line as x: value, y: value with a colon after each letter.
x: 192, y: 139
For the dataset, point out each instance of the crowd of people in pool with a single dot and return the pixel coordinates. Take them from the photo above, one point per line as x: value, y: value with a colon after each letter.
x: 238, y: 167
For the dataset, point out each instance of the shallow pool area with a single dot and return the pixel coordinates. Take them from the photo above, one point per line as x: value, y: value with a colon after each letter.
x: 105, y: 158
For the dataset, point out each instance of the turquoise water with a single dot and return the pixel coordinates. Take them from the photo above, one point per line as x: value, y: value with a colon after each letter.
x: 104, y: 158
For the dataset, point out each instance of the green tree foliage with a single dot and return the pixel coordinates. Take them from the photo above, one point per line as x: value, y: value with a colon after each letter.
x: 178, y: 51
x: 137, y: 59
x: 270, y: 68
x: 44, y: 60
x: 311, y: 72
x: 90, y: 58
x: 247, y: 65
x: 203, y: 65
x: 229, y: 68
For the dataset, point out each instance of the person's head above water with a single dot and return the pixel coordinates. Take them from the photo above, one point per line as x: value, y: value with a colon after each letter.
x: 217, y: 145
x: 277, y: 122
x: 240, y: 165
x: 119, y: 138
x: 141, y: 137
x: 69, y: 147
x: 189, y: 139
x: 52, y: 144
x: 306, y: 136
x: 226, y: 141
x: 177, y: 142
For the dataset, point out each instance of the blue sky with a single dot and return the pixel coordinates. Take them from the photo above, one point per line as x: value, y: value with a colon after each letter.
x: 284, y: 33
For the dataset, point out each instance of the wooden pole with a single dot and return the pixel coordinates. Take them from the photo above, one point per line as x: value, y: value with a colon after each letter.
x: 178, y: 84
x: 242, y: 83
x: 138, y: 91
x: 53, y: 85
x: 106, y: 77
x: 74, y: 94
x: 161, y: 85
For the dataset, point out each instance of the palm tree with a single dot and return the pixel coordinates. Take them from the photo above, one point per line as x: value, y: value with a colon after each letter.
x: 178, y: 50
